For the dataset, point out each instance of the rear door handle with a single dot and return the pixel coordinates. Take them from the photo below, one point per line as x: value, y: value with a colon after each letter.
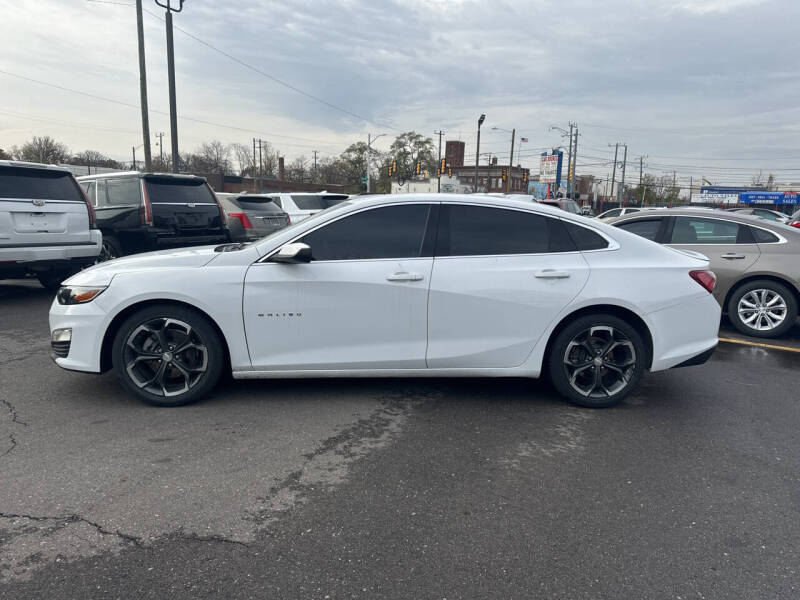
x: 732, y: 256
x: 551, y: 274
x: 404, y: 276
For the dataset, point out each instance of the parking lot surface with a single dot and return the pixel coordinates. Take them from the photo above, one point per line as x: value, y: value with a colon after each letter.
x: 397, y: 488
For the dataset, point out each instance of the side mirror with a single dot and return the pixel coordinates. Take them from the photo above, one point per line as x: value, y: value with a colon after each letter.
x: 293, y: 253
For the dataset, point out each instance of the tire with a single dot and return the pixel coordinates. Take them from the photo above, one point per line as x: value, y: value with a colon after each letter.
x: 51, y: 280
x: 110, y: 249
x: 763, y: 308
x: 597, y: 341
x: 170, y: 377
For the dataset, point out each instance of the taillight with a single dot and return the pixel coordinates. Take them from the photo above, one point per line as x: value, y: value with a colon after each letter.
x: 145, y: 210
x: 795, y: 224
x: 705, y: 278
x: 243, y: 218
x: 89, y: 207
x: 219, y: 206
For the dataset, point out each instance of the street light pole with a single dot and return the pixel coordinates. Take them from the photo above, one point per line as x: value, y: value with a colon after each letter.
x: 511, y: 160
x: 481, y: 119
x: 148, y: 165
x: 173, y: 111
x: 370, y: 139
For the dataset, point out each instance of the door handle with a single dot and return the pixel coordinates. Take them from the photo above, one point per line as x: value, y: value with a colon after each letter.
x: 551, y: 274
x: 404, y: 276
x: 732, y: 256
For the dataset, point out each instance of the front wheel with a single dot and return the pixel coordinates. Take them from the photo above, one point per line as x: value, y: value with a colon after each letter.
x: 597, y: 360
x: 110, y: 249
x: 763, y: 308
x: 168, y: 355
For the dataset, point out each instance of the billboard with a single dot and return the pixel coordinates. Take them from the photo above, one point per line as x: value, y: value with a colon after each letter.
x: 715, y: 198
x: 768, y: 197
x: 550, y: 167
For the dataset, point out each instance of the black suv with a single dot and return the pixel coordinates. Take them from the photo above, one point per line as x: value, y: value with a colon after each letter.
x: 139, y: 212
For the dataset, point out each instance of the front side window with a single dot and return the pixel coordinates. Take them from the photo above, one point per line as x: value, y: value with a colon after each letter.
x: 614, y: 212
x: 386, y: 232
x: 646, y: 228
x: 123, y: 192
x: 694, y: 230
x: 483, y: 231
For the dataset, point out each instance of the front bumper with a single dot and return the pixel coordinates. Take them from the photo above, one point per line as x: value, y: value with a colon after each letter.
x: 88, y: 322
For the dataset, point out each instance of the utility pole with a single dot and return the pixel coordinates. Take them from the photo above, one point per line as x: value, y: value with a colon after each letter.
x: 148, y: 166
x: 160, y: 136
x: 254, y: 164
x: 173, y: 111
x: 574, y: 159
x: 641, y: 163
x: 439, y: 163
x: 133, y: 148
x: 315, y: 163
x: 614, y: 171
x: 569, y: 161
x: 622, y: 182
x: 481, y: 119
x: 260, y: 157
x: 511, y: 160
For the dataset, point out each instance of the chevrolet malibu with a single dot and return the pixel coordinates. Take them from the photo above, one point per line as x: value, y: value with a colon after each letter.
x: 423, y: 286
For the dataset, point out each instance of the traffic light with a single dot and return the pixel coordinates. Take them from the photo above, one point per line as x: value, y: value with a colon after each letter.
x: 571, y: 172
x: 390, y: 170
x: 449, y: 172
x: 394, y: 166
x: 418, y: 170
x: 504, y: 176
x: 524, y: 177
x: 438, y: 174
x: 442, y: 166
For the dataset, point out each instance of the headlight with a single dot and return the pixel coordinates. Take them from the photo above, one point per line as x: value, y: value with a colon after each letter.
x: 76, y: 294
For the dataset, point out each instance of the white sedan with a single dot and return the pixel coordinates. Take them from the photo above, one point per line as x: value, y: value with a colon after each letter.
x: 421, y: 286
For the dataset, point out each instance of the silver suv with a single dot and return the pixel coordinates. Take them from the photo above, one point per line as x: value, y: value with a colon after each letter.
x: 46, y: 223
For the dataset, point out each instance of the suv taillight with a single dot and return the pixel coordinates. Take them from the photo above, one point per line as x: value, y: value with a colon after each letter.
x: 145, y: 210
x: 705, y: 278
x: 795, y: 223
x: 243, y: 218
x: 89, y: 207
x: 221, y: 210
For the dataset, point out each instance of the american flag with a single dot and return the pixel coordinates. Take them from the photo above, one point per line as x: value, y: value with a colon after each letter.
x: 524, y: 140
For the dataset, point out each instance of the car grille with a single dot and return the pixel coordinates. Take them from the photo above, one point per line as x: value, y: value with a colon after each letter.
x: 60, y: 349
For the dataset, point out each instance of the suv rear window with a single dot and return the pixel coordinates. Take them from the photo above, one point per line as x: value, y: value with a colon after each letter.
x: 260, y: 203
x: 45, y: 184
x: 311, y: 202
x: 162, y: 190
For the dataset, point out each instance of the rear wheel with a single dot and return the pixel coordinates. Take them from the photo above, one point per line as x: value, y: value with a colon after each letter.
x: 110, y: 250
x: 168, y: 355
x: 763, y: 308
x: 597, y: 360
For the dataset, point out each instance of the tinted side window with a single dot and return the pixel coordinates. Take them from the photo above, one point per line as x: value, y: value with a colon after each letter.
x: 387, y: 232
x: 646, y: 228
x: 693, y: 230
x: 586, y: 239
x: 762, y: 236
x: 481, y: 231
x: 121, y: 192
x: 614, y: 212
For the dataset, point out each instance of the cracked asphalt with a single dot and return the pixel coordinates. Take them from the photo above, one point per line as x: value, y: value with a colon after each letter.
x: 396, y: 488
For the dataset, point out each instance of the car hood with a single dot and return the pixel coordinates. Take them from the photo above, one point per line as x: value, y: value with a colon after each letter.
x: 103, y: 273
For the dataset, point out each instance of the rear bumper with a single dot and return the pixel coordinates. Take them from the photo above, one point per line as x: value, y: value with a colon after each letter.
x: 700, y: 359
x: 191, y: 240
x: 40, y: 254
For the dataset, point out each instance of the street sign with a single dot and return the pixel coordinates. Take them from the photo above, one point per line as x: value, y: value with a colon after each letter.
x: 364, y: 180
x: 550, y: 168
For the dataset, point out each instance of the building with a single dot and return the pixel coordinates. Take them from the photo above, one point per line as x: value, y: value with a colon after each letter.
x: 490, y: 177
x: 450, y: 185
x: 454, y: 153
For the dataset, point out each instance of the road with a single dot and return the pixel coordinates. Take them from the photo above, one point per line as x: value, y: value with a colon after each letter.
x: 396, y: 488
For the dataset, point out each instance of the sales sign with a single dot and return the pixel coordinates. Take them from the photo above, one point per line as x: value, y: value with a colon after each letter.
x: 550, y: 168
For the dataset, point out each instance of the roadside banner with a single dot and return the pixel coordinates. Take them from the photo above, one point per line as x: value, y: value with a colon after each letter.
x: 768, y: 197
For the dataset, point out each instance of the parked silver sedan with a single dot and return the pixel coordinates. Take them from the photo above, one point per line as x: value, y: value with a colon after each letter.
x: 252, y: 216
x: 757, y: 262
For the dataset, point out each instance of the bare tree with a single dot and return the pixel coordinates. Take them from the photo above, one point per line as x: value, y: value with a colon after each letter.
x: 296, y: 171
x: 93, y: 158
x: 214, y: 157
x: 244, y: 158
x: 4, y: 155
x: 43, y: 150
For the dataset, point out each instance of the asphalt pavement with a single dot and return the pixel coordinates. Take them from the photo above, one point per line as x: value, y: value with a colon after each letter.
x: 397, y: 488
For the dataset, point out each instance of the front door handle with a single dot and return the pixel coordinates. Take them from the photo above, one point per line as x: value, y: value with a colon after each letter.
x: 732, y: 256
x: 404, y: 276
x: 551, y: 274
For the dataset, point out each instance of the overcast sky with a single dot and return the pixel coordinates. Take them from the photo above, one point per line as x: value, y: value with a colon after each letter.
x: 704, y: 87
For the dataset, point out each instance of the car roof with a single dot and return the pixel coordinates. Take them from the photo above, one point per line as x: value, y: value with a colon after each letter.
x: 32, y: 165
x: 116, y: 174
x: 708, y: 214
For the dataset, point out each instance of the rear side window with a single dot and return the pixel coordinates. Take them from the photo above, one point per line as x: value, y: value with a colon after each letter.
x: 165, y: 190
x: 614, y: 212
x: 386, y: 232
x: 762, y: 236
x: 646, y: 228
x: 123, y: 192
x: 586, y: 239
x: 321, y: 202
x: 694, y: 230
x: 483, y: 231
x: 43, y: 184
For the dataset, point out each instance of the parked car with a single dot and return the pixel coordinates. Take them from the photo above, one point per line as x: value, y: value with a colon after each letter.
x: 618, y: 212
x: 47, y: 226
x: 300, y: 205
x: 251, y: 216
x: 564, y: 204
x: 139, y: 212
x: 764, y: 213
x: 757, y: 262
x: 517, y: 289
x: 586, y: 210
